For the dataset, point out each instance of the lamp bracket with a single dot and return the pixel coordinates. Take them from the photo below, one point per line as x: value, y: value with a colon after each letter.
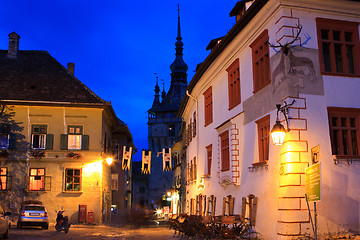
x: 285, y: 111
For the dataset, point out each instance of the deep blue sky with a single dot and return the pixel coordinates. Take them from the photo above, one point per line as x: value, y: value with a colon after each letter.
x: 118, y: 45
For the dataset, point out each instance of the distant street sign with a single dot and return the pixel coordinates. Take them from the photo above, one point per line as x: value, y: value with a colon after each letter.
x: 312, y: 183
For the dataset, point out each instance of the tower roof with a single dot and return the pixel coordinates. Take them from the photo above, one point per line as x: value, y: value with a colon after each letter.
x: 179, y: 65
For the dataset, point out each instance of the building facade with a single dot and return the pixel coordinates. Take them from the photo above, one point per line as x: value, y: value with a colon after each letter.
x: 55, y: 136
x: 164, y: 125
x: 278, y: 52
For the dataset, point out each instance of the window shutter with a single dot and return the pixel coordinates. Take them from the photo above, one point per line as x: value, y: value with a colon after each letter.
x: 47, y: 183
x: 49, y: 141
x: 12, y: 140
x: 85, y: 142
x: 198, y: 205
x: 63, y: 141
x: 209, y: 201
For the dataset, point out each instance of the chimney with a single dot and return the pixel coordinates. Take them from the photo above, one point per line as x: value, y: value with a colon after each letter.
x: 13, y: 45
x: 71, y: 67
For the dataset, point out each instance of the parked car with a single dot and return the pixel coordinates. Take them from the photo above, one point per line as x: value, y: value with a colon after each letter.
x: 33, y: 213
x: 4, y: 223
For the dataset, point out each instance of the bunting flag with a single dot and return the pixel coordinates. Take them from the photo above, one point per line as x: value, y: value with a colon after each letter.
x: 146, y: 161
x: 126, y: 158
x: 166, y: 152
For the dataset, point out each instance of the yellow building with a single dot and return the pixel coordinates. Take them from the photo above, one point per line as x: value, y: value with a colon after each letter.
x: 55, y: 135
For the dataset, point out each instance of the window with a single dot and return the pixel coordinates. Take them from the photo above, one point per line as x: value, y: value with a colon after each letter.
x: 234, y: 84
x: 37, y: 179
x: 263, y: 127
x: 142, y: 190
x: 260, y: 60
x: 114, y: 182
x: 3, y: 178
x: 74, y: 139
x: 209, y: 159
x: 225, y: 154
x: 344, y: 131
x: 208, y: 106
x: 73, y: 179
x: 4, y: 140
x: 38, y: 136
x: 4, y: 136
x: 194, y: 125
x: 338, y: 46
x: 171, y: 132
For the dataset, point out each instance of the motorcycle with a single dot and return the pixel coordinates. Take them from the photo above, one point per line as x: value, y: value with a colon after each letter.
x: 62, y: 222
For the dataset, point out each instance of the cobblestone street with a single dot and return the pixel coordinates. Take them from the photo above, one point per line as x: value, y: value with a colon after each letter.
x: 93, y: 232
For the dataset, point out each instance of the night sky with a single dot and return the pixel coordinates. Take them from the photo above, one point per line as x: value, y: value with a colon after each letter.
x: 118, y: 45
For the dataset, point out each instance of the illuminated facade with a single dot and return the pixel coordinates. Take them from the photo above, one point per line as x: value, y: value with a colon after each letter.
x: 232, y: 167
x: 55, y: 136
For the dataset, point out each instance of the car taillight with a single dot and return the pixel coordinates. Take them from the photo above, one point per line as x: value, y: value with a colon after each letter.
x: 23, y: 213
x: 45, y: 215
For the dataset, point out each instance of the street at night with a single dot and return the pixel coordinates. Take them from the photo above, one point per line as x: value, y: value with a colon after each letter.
x: 93, y: 232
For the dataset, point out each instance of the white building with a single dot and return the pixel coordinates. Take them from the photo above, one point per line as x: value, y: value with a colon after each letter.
x: 234, y: 94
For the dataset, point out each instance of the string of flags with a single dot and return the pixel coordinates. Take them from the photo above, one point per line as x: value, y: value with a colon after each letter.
x: 146, y: 161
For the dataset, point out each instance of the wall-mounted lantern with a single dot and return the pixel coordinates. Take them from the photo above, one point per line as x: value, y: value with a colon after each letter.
x: 278, y: 131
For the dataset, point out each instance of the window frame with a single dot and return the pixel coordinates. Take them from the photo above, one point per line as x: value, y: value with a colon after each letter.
x: 76, y: 135
x: 208, y: 159
x: 77, y: 176
x: 234, y: 88
x: 8, y: 140
x: 333, y: 25
x: 225, y: 150
x: 258, y: 57
x: 42, y: 176
x: 346, y: 113
x: 2, y: 176
x: 263, y: 128
x: 208, y: 106
x: 42, y: 136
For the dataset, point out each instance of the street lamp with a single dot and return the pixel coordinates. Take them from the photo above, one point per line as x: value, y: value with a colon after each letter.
x: 109, y: 160
x: 278, y: 131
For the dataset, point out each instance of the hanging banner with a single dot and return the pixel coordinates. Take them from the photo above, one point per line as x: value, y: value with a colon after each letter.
x: 146, y: 162
x: 166, y: 152
x: 126, y: 157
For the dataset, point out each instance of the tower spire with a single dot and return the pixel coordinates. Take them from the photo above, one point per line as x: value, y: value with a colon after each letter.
x: 179, y: 66
x: 163, y: 93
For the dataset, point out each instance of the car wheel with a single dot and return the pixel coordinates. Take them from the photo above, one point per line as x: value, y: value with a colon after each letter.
x: 6, y: 235
x: 45, y: 226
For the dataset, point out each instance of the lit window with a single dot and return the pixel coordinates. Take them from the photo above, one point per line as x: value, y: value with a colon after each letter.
x: 72, y: 179
x: 38, y: 136
x: 338, y: 46
x: 3, y: 178
x: 37, y: 179
x: 74, y: 137
x: 114, y: 182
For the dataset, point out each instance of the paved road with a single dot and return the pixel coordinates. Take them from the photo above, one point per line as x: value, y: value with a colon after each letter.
x: 95, y: 233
